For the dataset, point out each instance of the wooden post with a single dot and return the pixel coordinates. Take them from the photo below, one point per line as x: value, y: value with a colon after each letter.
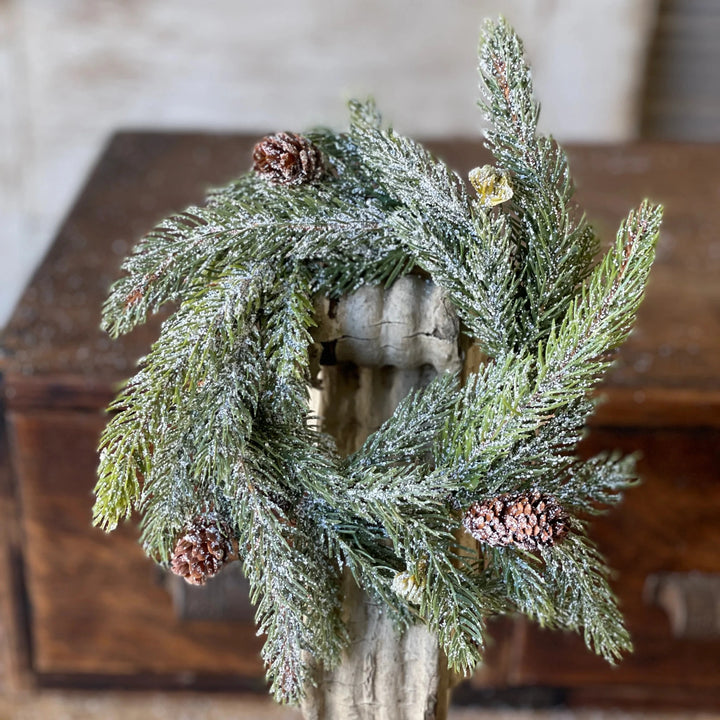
x: 372, y: 347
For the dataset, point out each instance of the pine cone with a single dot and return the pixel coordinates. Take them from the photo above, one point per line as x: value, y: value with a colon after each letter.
x: 202, y: 551
x: 288, y: 159
x: 527, y: 520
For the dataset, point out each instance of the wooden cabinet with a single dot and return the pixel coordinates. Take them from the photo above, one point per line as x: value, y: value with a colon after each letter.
x: 88, y: 608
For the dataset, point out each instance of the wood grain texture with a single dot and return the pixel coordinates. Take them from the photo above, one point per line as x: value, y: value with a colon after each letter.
x: 378, y: 345
x: 97, y: 604
x: 668, y: 524
x: 15, y: 659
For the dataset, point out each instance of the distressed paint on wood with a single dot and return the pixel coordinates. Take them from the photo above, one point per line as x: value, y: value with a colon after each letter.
x: 380, y: 343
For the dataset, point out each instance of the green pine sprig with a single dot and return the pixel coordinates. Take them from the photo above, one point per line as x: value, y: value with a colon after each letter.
x: 558, y: 247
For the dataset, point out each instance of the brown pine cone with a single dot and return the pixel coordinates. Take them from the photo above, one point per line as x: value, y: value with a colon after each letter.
x: 202, y: 551
x: 528, y: 520
x: 288, y: 159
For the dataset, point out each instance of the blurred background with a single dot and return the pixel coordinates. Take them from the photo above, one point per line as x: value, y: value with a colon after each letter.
x: 73, y: 71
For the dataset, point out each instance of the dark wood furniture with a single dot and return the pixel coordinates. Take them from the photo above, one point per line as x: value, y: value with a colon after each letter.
x: 88, y: 609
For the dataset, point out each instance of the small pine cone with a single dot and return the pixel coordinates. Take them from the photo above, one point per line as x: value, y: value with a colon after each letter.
x: 202, y: 551
x: 288, y: 159
x: 528, y: 520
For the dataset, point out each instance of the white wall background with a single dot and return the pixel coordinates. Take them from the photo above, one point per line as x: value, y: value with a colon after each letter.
x: 72, y: 71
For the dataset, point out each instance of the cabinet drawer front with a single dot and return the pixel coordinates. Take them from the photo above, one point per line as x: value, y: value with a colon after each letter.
x: 666, y: 527
x: 98, y: 605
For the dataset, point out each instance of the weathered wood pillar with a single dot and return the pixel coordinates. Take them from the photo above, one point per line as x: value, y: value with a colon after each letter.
x: 373, y: 347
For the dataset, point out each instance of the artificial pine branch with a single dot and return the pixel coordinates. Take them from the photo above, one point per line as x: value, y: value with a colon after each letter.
x: 215, y: 423
x: 558, y: 247
x: 294, y: 584
x: 593, y: 486
x: 466, y: 249
x: 578, y: 577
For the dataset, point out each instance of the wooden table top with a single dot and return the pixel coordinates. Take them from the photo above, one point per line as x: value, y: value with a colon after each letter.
x: 54, y: 355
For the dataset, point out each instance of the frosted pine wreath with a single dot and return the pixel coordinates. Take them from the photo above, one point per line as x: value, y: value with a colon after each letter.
x: 212, y: 443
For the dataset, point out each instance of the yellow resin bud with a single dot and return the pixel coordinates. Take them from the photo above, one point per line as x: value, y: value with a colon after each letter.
x: 492, y: 185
